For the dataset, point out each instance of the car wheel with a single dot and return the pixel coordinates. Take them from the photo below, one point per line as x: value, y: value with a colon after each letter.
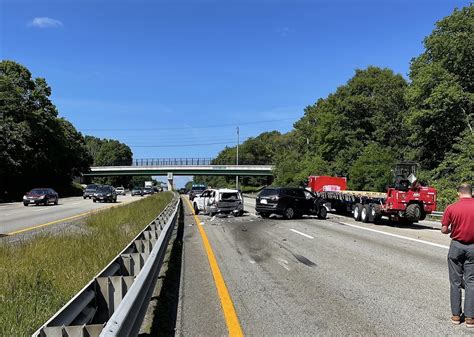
x: 25, y: 204
x: 84, y: 198
x: 93, y: 200
x: 289, y: 213
x: 323, y: 213
x: 196, y: 209
x: 46, y: 202
x: 56, y: 201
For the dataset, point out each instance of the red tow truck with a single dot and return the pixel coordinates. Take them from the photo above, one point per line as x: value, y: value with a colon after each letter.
x: 406, y: 200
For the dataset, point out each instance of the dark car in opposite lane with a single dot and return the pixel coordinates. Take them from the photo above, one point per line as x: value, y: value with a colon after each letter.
x: 289, y: 202
x: 41, y: 196
x: 105, y: 194
x: 90, y: 190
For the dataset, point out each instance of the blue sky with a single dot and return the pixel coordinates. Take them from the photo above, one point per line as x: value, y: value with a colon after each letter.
x: 120, y: 68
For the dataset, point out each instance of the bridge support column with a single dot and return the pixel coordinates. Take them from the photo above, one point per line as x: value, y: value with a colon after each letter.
x: 170, y: 181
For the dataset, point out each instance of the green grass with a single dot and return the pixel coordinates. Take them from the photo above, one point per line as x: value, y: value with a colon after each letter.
x: 38, y: 276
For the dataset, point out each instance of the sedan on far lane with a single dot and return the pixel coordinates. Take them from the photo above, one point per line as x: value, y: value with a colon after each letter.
x: 40, y: 196
x: 137, y: 191
x: 105, y: 194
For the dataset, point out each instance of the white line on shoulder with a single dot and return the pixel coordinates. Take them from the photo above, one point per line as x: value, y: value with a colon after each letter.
x: 396, y: 235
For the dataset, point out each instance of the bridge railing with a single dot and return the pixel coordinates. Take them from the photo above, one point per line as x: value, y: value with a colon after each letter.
x: 175, y: 162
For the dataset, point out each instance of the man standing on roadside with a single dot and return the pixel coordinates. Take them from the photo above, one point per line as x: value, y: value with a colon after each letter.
x: 458, y: 219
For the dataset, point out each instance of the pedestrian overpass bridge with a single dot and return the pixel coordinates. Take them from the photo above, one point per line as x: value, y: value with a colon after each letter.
x: 179, y: 167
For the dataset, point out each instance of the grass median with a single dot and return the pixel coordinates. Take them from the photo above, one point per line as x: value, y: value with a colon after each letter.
x: 38, y: 276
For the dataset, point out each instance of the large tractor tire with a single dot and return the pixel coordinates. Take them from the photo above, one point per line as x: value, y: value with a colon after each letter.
x: 375, y: 213
x: 357, y: 212
x: 413, y: 213
x: 365, y: 213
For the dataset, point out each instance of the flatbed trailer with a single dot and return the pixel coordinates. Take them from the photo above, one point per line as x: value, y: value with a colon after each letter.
x: 410, y: 205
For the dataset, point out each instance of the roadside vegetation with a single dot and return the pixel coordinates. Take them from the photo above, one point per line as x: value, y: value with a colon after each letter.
x: 379, y: 118
x: 38, y: 276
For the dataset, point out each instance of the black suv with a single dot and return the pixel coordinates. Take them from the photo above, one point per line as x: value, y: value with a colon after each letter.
x: 289, y: 202
x: 105, y: 194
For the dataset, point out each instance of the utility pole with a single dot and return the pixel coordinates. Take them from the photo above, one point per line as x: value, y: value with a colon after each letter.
x: 237, y: 160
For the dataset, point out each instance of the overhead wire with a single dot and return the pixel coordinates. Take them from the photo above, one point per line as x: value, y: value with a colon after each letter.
x: 187, y: 127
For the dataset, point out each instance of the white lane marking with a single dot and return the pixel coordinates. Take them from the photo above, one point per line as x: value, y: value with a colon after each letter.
x: 300, y: 233
x: 75, y: 203
x: 252, y: 261
x: 397, y: 236
x: 41, y: 209
x: 281, y: 264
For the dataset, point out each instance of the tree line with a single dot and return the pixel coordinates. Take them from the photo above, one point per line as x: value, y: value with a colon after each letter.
x: 379, y: 118
x: 40, y: 149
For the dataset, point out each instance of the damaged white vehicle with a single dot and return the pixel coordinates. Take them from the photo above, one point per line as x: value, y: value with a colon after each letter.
x: 223, y: 201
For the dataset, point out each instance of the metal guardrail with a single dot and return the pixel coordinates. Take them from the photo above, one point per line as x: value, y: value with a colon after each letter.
x: 114, y: 303
x: 437, y: 214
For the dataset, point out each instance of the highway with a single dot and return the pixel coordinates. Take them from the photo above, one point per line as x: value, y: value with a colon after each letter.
x: 16, y: 218
x: 314, y: 277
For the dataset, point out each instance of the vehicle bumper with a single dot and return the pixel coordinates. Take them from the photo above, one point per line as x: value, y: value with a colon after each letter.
x: 262, y: 208
x: 33, y: 201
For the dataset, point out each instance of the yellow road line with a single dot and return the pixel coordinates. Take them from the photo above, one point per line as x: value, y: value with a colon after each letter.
x: 64, y: 219
x: 231, y: 319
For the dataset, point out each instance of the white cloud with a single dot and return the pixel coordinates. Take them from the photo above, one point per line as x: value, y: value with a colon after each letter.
x: 284, y: 31
x: 45, y: 22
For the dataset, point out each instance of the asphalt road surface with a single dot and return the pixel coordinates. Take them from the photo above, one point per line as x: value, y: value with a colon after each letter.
x: 315, y: 277
x: 16, y: 218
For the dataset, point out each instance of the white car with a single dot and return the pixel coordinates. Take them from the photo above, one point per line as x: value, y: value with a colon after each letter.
x: 120, y: 190
x: 213, y: 201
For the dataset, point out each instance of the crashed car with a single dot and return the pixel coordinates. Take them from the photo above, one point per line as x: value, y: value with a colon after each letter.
x: 289, y: 202
x: 219, y: 201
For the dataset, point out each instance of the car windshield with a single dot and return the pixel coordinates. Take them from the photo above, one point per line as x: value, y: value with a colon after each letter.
x: 103, y: 189
x: 229, y: 196
x: 269, y: 191
x: 92, y: 187
x: 136, y: 188
x: 39, y: 191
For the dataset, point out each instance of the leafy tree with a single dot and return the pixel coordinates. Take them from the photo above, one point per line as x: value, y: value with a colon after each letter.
x: 333, y: 132
x: 109, y: 152
x: 441, y: 94
x: 371, y: 171
x: 36, y: 147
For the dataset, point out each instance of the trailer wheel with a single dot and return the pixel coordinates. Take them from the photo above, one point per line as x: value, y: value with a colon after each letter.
x: 413, y: 212
x: 365, y: 213
x: 375, y: 213
x: 357, y: 212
